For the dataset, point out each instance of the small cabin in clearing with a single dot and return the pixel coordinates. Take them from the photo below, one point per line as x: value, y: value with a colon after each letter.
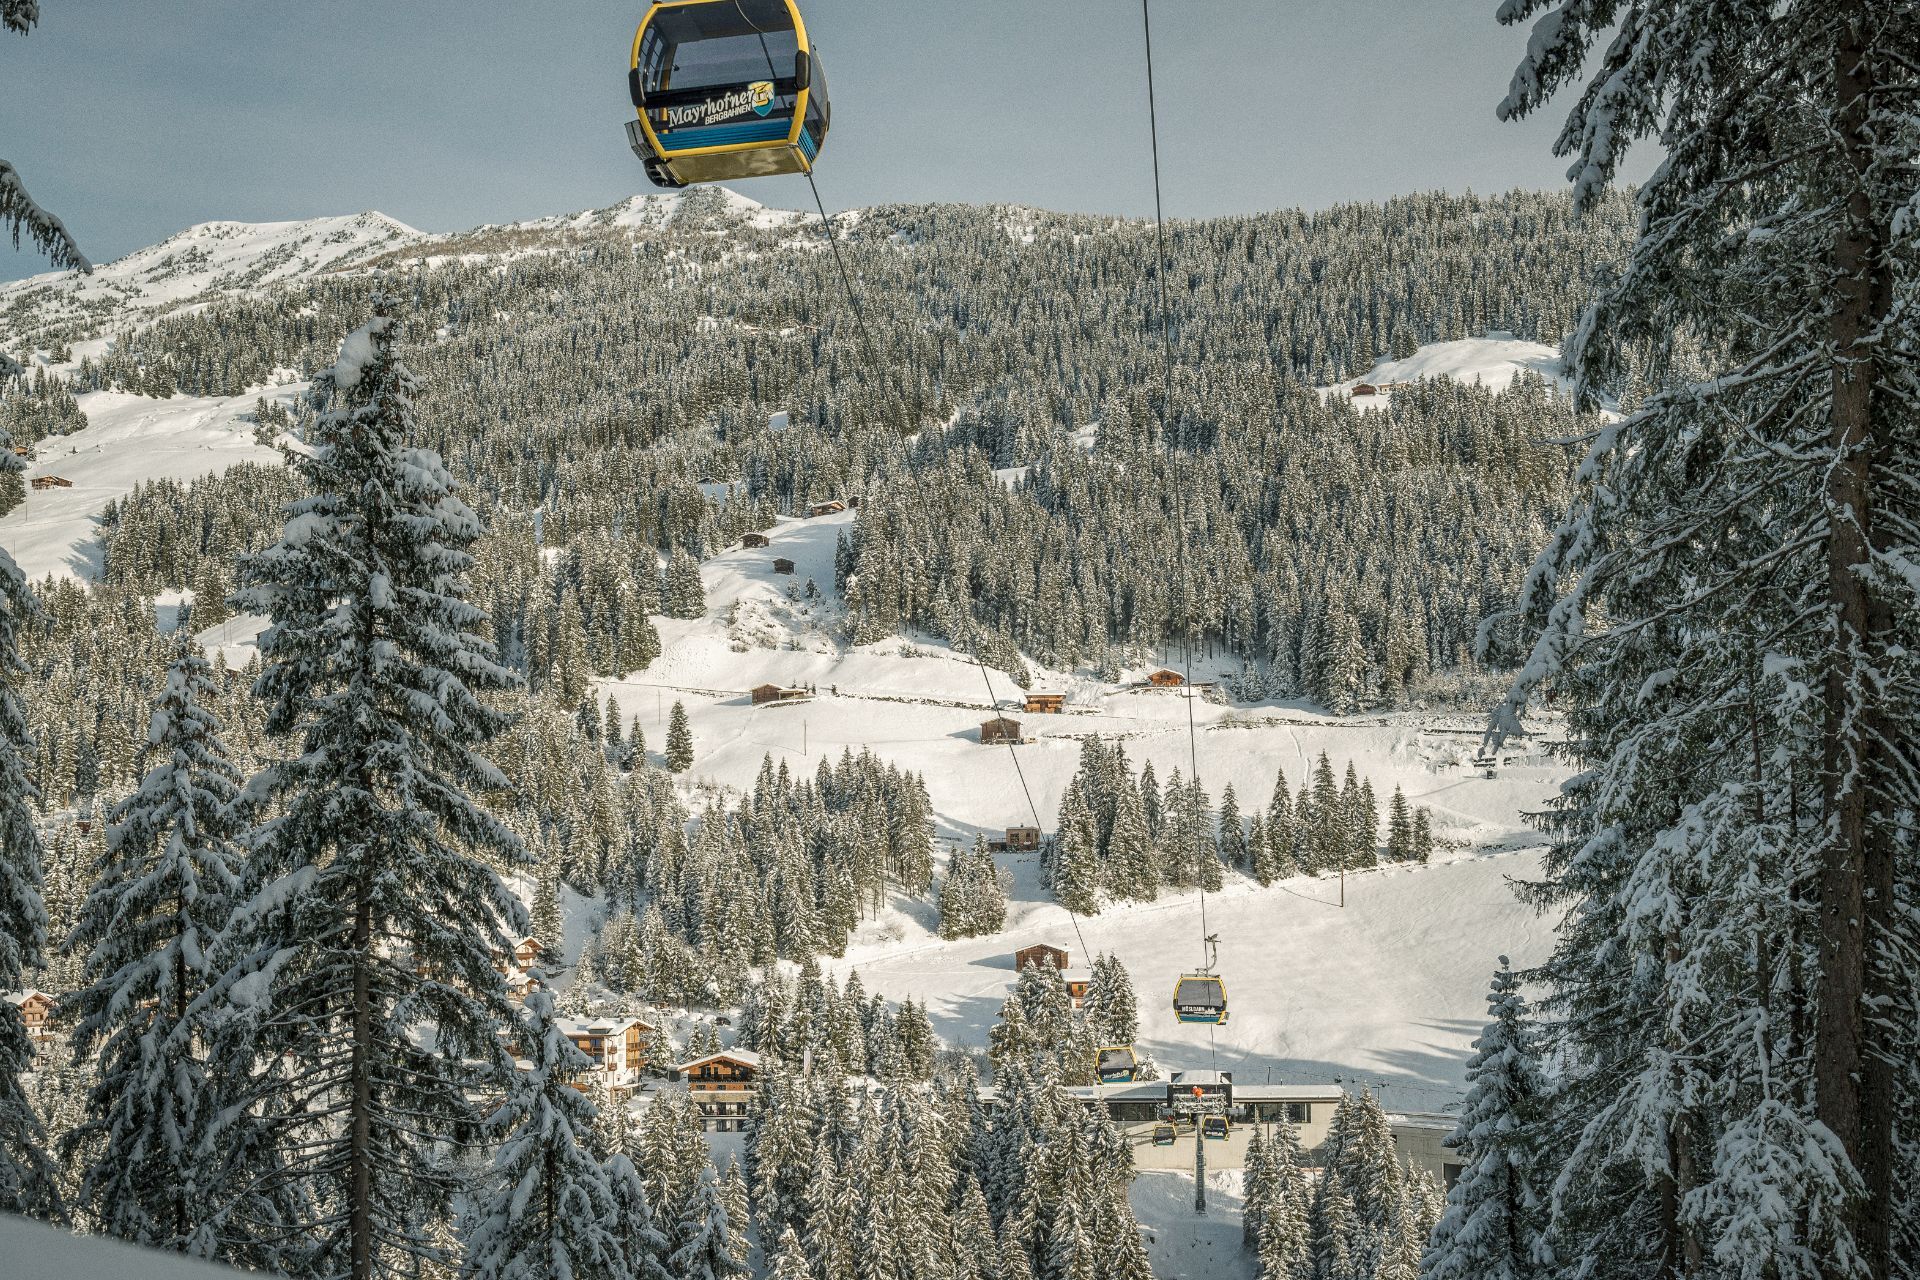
x: 1166, y: 679
x: 999, y: 729
x: 773, y: 693
x: 1038, y: 954
x: 830, y: 507
x: 52, y: 482
x: 1077, y: 980
x: 1364, y: 389
x: 755, y: 540
x: 783, y: 565
x: 1046, y: 704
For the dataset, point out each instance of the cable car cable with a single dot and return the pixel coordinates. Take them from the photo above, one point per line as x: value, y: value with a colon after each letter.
x: 1208, y: 949
x: 826, y: 224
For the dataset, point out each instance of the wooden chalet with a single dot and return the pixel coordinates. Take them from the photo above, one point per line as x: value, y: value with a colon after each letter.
x: 1046, y: 704
x: 1166, y: 679
x: 782, y: 565
x: 1039, y: 954
x: 722, y: 1087
x: 52, y: 482
x: 776, y: 694
x: 1023, y: 839
x: 1077, y: 981
x: 614, y: 1046
x: 999, y: 729
x: 832, y: 506
x: 36, y: 1010
x: 755, y: 540
x: 1364, y: 389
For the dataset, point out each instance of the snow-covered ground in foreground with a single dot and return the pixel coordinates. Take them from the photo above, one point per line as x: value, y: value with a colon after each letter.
x: 1389, y: 990
x: 1183, y: 1245
x: 128, y: 439
x: 1494, y: 361
x: 42, y: 1252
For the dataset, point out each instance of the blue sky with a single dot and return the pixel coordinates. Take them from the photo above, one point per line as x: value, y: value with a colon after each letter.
x: 135, y: 118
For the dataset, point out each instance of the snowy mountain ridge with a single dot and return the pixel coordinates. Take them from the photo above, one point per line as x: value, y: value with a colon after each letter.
x: 200, y: 264
x: 215, y: 260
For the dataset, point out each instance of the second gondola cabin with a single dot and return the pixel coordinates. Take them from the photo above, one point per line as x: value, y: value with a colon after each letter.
x: 725, y: 89
x: 1200, y: 997
x: 1116, y: 1064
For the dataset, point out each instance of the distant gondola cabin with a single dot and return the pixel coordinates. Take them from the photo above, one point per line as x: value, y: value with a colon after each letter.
x: 1166, y: 679
x: 1000, y: 729
x: 755, y: 540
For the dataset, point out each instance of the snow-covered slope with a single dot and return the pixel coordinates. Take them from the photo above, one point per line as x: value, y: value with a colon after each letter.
x: 1389, y: 989
x: 211, y: 260
x: 1494, y: 361
x: 127, y: 439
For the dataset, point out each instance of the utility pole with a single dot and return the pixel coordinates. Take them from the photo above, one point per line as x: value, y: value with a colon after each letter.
x: 1343, y: 875
x: 803, y: 739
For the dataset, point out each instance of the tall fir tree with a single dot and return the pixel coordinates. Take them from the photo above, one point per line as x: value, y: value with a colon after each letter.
x: 147, y: 938
x: 368, y: 938
x: 27, y: 1177
x: 1494, y: 1227
x: 1737, y: 856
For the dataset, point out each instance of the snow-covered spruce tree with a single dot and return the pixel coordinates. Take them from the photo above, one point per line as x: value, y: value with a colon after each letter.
x: 368, y: 940
x: 635, y: 1231
x: 27, y: 1182
x: 1728, y: 610
x: 147, y: 938
x: 547, y: 1207
x: 679, y: 740
x: 1493, y: 1228
x: 709, y: 1249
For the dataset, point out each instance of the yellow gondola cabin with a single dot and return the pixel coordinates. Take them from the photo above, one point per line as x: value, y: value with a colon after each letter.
x: 725, y: 89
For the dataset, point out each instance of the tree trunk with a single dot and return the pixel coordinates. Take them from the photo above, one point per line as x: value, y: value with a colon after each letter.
x: 360, y: 1111
x: 1845, y: 1081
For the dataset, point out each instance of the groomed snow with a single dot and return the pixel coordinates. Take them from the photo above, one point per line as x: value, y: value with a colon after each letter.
x: 1493, y: 361
x: 128, y: 439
